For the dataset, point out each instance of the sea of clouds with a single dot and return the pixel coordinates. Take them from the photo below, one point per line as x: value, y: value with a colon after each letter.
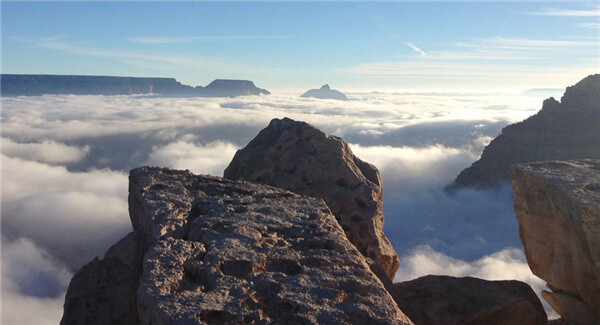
x: 65, y: 163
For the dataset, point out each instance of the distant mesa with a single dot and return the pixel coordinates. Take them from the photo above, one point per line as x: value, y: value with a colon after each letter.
x: 564, y: 130
x: 232, y: 88
x: 35, y: 85
x: 325, y: 92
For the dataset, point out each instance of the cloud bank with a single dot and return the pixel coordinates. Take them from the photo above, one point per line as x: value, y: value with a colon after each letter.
x: 65, y: 161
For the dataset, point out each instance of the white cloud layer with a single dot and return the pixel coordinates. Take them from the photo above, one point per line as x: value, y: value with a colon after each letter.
x: 72, y: 215
x: 33, y: 284
x: 211, y: 159
x: 65, y: 161
x: 46, y: 152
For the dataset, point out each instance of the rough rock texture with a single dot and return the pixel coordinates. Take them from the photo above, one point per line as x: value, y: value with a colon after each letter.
x: 325, y: 92
x: 109, y: 284
x: 217, y: 251
x: 559, y: 131
x: 298, y: 157
x: 447, y: 300
x: 558, y: 208
x: 34, y: 85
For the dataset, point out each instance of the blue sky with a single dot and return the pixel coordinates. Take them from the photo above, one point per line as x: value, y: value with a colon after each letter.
x: 354, y: 46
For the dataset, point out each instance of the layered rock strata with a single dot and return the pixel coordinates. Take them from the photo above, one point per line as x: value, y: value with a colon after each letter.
x: 432, y: 300
x: 562, y: 130
x: 298, y: 157
x: 207, y: 250
x: 558, y: 207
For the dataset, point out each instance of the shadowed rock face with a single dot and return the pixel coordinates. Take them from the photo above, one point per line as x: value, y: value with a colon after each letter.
x: 563, y: 130
x: 217, y: 251
x: 325, y: 92
x: 298, y: 157
x: 104, y: 291
x: 33, y: 85
x: 447, y: 300
x: 558, y: 207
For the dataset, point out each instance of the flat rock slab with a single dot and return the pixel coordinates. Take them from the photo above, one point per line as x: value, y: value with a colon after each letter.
x: 222, y: 251
x: 558, y: 207
x: 448, y: 300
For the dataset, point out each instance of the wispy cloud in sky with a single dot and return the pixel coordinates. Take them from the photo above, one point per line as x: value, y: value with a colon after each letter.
x: 416, y: 48
x: 123, y: 56
x: 589, y: 25
x: 549, y: 11
x: 192, y: 39
x: 496, y: 62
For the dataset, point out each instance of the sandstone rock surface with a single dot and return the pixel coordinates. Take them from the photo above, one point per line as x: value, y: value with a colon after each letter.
x: 216, y: 251
x: 325, y: 92
x: 564, y: 130
x: 298, y: 157
x: 448, y: 300
x: 558, y: 207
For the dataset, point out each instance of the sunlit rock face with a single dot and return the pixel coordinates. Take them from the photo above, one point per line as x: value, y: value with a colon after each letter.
x: 432, y: 300
x: 298, y: 157
x: 208, y: 250
x: 559, y: 131
x: 558, y: 207
x: 325, y: 92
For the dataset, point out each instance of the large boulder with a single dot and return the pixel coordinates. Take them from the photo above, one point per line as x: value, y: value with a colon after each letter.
x: 216, y: 251
x: 564, y: 130
x: 461, y: 301
x: 558, y: 207
x: 298, y: 157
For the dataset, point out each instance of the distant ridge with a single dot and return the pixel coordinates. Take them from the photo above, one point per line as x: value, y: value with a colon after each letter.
x: 35, y: 85
x: 564, y: 130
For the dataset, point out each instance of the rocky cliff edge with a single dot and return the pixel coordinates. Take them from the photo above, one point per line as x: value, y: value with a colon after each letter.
x: 558, y: 207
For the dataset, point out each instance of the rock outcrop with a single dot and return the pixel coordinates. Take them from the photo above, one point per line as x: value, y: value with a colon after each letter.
x: 558, y: 207
x: 432, y: 300
x: 325, y: 92
x: 298, y: 157
x: 562, y: 130
x: 34, y: 85
x: 208, y: 250
x: 103, y: 291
